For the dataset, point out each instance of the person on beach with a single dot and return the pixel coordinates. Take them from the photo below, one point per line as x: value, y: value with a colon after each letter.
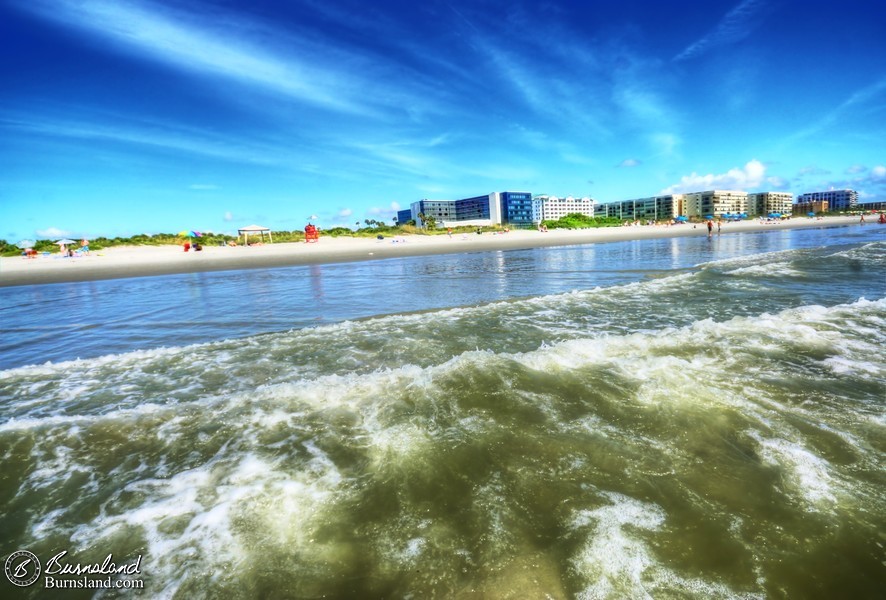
x: 187, y: 246
x: 719, y: 225
x: 84, y: 246
x: 710, y: 228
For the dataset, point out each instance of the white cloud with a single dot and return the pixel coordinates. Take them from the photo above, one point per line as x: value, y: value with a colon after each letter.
x: 52, y: 233
x: 735, y: 26
x: 813, y: 170
x: 778, y: 183
x: 345, y: 212
x: 630, y: 162
x: 855, y: 169
x: 228, y: 216
x: 292, y: 63
x: 878, y: 172
x: 850, y: 106
x: 666, y: 143
x: 161, y: 136
x: 751, y: 176
x: 388, y: 211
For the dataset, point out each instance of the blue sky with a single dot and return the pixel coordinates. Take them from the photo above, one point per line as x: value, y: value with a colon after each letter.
x: 120, y: 117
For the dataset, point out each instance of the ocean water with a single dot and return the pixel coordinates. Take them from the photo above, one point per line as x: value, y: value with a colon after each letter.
x: 680, y: 418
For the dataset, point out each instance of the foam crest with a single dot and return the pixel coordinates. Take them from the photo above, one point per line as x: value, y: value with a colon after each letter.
x: 778, y: 270
x: 807, y: 475
x: 210, y: 519
x: 614, y: 560
x: 618, y: 562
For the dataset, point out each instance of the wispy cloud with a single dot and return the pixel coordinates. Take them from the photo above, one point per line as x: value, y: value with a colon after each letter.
x: 812, y: 170
x: 751, y: 176
x: 734, y: 27
x: 165, y: 138
x: 549, y: 72
x: 630, y: 162
x: 850, y: 106
x: 53, y: 233
x: 308, y: 70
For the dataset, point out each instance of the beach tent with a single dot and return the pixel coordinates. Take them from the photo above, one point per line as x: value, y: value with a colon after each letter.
x: 254, y: 229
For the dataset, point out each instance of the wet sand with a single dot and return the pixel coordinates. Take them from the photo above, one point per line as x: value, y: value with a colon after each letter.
x: 141, y: 261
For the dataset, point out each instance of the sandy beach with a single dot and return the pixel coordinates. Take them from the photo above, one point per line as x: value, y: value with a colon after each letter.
x: 140, y: 261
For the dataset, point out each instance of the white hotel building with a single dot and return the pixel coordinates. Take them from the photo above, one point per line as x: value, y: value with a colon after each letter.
x: 553, y: 207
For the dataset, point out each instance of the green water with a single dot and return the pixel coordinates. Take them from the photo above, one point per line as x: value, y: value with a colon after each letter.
x: 567, y: 446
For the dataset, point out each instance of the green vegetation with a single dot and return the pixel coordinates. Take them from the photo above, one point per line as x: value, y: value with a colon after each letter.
x: 580, y: 221
x: 370, y: 228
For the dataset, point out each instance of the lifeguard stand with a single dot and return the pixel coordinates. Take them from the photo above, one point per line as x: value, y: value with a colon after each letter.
x: 311, y: 234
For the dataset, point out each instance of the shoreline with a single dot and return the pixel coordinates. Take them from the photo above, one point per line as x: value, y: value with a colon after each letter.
x: 145, y: 261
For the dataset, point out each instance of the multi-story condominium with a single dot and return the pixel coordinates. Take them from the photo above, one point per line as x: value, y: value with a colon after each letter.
x: 874, y: 205
x: 440, y: 210
x: 836, y: 199
x: 479, y: 211
x: 764, y: 203
x: 553, y: 207
x: 404, y: 216
x: 519, y: 209
x: 474, y: 209
x: 715, y: 203
x: 804, y: 208
x: 654, y: 208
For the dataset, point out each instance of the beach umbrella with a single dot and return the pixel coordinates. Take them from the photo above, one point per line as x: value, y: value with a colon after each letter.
x: 66, y: 242
x: 681, y: 218
x: 709, y: 216
x: 24, y: 244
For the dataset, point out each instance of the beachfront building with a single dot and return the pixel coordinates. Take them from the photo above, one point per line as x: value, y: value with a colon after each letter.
x: 872, y: 206
x: 837, y: 199
x: 653, y: 208
x: 404, y: 216
x: 477, y: 211
x: 714, y: 203
x: 816, y: 207
x: 553, y: 207
x: 518, y: 209
x: 439, y: 210
x: 764, y: 203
